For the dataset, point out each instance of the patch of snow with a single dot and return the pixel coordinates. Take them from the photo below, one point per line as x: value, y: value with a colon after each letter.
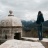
x: 45, y: 40
x: 36, y: 39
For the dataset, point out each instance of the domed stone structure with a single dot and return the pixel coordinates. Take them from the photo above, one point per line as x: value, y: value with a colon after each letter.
x: 10, y: 20
x: 10, y: 28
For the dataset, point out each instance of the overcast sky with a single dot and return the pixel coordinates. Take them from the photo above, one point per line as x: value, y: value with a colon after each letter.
x: 24, y: 9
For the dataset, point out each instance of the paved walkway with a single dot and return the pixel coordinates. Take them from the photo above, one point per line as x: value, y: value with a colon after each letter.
x: 35, y: 39
x: 21, y: 44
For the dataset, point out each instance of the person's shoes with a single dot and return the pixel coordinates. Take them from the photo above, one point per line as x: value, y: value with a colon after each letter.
x: 40, y: 38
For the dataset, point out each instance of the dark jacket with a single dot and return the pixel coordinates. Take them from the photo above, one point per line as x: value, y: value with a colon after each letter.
x: 40, y: 19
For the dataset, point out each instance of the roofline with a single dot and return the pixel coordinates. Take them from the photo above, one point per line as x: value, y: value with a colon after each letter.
x: 10, y: 26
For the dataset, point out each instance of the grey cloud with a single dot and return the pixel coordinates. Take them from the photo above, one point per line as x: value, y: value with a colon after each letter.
x: 21, y: 7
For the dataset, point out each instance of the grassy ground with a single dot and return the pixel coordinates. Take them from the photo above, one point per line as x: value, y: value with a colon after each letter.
x: 45, y: 44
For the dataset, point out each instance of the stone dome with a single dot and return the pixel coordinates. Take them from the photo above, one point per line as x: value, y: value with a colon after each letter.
x: 10, y: 20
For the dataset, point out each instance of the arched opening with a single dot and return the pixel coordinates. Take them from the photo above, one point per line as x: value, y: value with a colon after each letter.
x: 17, y: 36
x: 5, y: 36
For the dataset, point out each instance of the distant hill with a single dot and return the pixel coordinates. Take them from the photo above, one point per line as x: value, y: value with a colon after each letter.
x: 45, y: 23
x: 28, y: 25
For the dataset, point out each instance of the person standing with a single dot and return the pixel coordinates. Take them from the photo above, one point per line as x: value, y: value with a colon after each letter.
x: 40, y: 20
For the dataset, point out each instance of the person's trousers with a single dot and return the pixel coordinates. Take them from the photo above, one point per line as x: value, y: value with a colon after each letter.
x: 40, y: 33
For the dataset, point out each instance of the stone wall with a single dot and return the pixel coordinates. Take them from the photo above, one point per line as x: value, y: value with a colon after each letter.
x: 8, y: 33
